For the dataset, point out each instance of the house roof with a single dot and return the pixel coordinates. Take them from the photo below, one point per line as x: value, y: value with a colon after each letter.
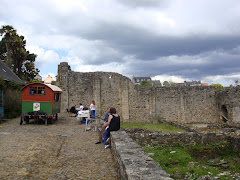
x: 48, y: 80
x: 8, y: 75
x: 156, y: 82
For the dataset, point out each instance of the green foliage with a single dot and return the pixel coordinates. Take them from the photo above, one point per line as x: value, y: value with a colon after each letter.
x: 35, y: 80
x: 217, y: 86
x: 12, y: 103
x: 2, y: 83
x: 164, y: 127
x: 236, y: 82
x: 12, y: 98
x: 168, y: 84
x: 15, y: 55
x: 193, y: 161
x: 13, y: 85
x: 145, y: 83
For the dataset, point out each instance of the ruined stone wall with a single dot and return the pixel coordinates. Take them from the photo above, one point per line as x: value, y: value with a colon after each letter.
x: 156, y: 138
x: 106, y: 88
x: 178, y: 104
x: 131, y: 161
x: 187, y: 104
x: 229, y: 99
x: 136, y: 104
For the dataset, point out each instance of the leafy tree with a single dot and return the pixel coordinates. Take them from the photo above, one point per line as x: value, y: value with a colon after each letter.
x: 8, y: 32
x: 146, y: 83
x: 15, y: 55
x: 217, y: 86
x: 35, y: 81
x: 168, y: 84
x: 2, y: 83
x: 236, y: 82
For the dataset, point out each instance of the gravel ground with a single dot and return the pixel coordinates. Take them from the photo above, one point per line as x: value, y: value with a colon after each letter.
x: 62, y: 150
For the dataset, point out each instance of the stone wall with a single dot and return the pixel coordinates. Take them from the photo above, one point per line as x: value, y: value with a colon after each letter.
x: 106, y: 88
x: 143, y: 104
x: 132, y: 163
x: 229, y: 99
x: 174, y: 139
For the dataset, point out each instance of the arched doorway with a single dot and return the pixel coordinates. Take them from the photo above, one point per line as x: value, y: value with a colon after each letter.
x: 224, y: 113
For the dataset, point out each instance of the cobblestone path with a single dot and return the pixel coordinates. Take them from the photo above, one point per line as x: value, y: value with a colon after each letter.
x: 62, y: 150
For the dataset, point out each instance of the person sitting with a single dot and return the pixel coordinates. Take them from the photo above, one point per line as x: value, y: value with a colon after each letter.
x: 80, y: 107
x: 84, y: 119
x: 73, y: 109
x: 100, y: 138
x: 113, y: 125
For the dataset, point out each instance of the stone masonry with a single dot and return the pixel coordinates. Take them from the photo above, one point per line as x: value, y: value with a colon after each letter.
x: 132, y: 163
x: 146, y: 104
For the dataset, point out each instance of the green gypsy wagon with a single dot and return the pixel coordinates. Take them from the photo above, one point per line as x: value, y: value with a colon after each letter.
x: 40, y: 102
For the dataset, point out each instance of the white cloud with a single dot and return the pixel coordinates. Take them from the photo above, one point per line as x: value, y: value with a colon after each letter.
x: 98, y: 35
x: 111, y: 67
x: 225, y: 80
x: 43, y: 56
x: 175, y: 79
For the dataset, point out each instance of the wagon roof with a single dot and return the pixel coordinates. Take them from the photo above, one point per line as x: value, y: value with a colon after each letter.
x: 53, y: 87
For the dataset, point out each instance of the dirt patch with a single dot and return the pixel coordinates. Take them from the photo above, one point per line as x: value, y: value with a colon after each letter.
x: 62, y: 150
x: 207, y: 153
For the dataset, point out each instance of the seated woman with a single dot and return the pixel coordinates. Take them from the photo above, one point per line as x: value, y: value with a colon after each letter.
x: 73, y: 109
x: 113, y: 124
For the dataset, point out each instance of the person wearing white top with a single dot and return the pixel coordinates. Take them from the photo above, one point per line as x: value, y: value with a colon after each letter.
x: 81, y: 107
x: 92, y: 108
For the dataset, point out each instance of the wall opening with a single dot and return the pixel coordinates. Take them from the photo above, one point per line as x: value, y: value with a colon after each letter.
x: 224, y: 113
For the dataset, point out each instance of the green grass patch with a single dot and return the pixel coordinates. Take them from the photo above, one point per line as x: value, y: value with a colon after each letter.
x: 164, y: 127
x: 195, y: 161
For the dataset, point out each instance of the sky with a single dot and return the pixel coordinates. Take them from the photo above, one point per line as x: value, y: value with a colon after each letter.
x: 169, y: 40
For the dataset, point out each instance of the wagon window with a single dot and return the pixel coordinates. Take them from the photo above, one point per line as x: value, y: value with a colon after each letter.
x: 57, y: 97
x: 41, y: 90
x: 33, y: 90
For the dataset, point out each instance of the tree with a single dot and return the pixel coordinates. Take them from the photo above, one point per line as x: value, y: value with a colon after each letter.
x: 217, y: 86
x: 236, y: 82
x: 168, y: 84
x: 146, y: 83
x: 15, y: 55
x: 8, y: 32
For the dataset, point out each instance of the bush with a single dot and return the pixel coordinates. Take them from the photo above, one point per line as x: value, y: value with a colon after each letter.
x: 2, y: 83
x: 12, y: 100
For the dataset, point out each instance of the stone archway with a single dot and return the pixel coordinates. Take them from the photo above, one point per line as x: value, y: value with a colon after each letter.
x: 224, y: 113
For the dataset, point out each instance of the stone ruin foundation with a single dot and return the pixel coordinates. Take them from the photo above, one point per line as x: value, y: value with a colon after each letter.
x: 132, y: 163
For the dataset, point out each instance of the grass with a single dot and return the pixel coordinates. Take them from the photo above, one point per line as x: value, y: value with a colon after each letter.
x: 164, y: 127
x: 193, y: 161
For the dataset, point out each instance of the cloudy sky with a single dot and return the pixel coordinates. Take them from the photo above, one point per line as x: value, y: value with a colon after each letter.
x: 172, y: 40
